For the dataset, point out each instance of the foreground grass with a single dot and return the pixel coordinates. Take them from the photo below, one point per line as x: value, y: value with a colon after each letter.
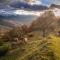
x: 32, y: 49
x: 22, y: 52
x: 56, y: 46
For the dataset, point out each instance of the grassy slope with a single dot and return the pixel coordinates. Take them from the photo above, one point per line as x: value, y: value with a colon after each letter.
x: 33, y: 46
x: 56, y: 46
x: 30, y: 47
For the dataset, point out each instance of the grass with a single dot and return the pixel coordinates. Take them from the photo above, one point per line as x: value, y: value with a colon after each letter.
x: 32, y: 48
x: 56, y: 46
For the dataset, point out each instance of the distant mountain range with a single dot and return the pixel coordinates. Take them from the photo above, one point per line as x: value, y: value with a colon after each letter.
x: 47, y: 22
x: 55, y: 6
x: 6, y: 23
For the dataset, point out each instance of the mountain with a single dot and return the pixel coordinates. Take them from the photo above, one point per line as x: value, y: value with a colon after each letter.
x: 47, y: 22
x: 6, y: 23
x: 55, y: 6
x: 25, y: 5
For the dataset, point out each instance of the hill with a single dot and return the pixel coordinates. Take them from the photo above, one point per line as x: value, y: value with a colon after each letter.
x: 55, y: 6
x: 45, y: 22
x: 6, y: 23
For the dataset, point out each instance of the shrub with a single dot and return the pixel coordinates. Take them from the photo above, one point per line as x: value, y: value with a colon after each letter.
x: 1, y: 43
x: 3, y: 50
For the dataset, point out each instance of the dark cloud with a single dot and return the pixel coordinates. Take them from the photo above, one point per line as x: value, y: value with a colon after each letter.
x: 7, y: 1
x: 4, y: 1
x: 10, y: 1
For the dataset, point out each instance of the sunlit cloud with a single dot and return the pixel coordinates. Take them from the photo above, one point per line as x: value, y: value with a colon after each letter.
x: 23, y: 12
x: 35, y: 2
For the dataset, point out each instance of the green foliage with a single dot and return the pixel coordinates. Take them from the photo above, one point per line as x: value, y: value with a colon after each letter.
x: 3, y: 50
x: 1, y: 42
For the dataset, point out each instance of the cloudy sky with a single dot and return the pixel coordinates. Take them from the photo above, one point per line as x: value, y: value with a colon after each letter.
x: 45, y: 2
x: 57, y: 1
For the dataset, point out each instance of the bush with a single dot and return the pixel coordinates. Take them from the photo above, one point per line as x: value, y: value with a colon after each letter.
x: 3, y: 50
x: 1, y: 43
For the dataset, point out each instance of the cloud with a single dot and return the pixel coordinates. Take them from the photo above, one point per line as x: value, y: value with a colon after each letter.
x: 10, y: 1
x: 7, y: 1
x: 4, y: 1
x: 35, y: 2
x: 23, y: 12
x: 57, y: 2
x: 18, y: 12
x: 44, y: 2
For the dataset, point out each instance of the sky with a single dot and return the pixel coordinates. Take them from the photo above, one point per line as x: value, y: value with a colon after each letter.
x: 44, y: 2
x: 57, y: 2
